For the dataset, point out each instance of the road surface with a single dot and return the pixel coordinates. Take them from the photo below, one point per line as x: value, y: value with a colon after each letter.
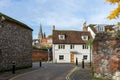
x: 48, y: 71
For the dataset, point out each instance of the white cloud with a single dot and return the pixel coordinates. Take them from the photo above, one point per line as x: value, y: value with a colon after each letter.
x: 65, y: 14
x: 60, y: 22
x: 101, y: 16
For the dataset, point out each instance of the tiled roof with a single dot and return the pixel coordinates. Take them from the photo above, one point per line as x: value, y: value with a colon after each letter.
x: 13, y: 20
x: 71, y: 37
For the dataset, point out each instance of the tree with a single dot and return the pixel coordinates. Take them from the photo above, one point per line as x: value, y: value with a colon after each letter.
x: 116, y: 12
x: 49, y: 36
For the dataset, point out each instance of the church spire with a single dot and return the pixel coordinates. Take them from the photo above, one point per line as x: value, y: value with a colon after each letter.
x: 40, y: 35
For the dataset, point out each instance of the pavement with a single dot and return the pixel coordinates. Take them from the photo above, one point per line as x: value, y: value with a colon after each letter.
x: 49, y: 71
x: 81, y: 74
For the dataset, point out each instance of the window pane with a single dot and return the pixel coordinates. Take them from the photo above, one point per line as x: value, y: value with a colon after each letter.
x: 61, y: 37
x: 71, y: 46
x: 85, y: 57
x: 61, y: 57
x: 83, y: 46
x: 63, y: 46
x: 58, y: 46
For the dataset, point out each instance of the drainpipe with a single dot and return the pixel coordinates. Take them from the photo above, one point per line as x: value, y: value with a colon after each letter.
x: 90, y: 57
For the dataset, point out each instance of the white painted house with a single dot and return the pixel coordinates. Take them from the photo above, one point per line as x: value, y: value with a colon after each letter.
x: 69, y: 45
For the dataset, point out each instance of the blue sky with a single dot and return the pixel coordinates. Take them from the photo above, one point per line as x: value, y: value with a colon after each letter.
x: 64, y: 14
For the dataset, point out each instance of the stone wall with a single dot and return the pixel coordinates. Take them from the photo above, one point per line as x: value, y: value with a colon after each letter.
x: 15, y: 45
x: 106, y: 55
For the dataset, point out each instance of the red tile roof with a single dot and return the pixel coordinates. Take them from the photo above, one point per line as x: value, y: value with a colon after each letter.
x: 71, y: 37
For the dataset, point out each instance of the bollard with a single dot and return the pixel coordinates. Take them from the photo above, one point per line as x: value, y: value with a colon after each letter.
x: 40, y: 63
x: 76, y: 61
x: 83, y: 63
x: 13, y: 67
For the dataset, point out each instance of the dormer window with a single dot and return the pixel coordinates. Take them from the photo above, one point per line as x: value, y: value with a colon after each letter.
x: 61, y: 37
x: 84, y: 37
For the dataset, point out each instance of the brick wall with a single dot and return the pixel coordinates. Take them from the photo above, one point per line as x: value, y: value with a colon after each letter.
x: 15, y: 45
x: 38, y: 54
x: 106, y: 55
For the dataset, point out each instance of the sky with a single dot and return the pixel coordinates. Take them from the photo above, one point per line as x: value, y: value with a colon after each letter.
x: 64, y: 14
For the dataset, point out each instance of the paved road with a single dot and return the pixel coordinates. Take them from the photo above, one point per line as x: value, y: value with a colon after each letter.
x: 47, y: 72
x: 81, y: 74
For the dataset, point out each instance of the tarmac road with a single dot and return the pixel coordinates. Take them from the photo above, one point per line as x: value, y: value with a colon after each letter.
x: 48, y: 71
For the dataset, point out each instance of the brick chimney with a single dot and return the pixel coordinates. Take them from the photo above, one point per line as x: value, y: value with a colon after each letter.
x: 84, y: 26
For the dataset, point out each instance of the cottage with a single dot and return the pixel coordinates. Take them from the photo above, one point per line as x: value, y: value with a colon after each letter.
x: 70, y: 45
x: 15, y: 43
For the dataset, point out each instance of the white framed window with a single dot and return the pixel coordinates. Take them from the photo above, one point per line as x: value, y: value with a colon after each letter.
x: 84, y: 37
x: 61, y: 57
x: 61, y: 46
x: 72, y: 46
x: 85, y: 46
x: 85, y: 57
x: 61, y: 37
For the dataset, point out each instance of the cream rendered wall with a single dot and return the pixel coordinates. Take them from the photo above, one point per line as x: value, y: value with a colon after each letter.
x: 92, y: 33
x: 67, y: 53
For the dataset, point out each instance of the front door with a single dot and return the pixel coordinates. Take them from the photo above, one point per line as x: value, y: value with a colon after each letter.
x: 72, y: 58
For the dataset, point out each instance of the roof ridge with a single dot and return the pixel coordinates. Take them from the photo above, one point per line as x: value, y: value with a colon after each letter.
x: 71, y: 30
x: 14, y: 20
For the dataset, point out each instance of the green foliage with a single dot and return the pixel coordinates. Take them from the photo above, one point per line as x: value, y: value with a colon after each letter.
x: 45, y: 47
x: 92, y: 72
x: 34, y: 47
x: 118, y: 32
x: 116, y: 35
x: 89, y: 42
x: 49, y: 36
x: 98, y: 79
